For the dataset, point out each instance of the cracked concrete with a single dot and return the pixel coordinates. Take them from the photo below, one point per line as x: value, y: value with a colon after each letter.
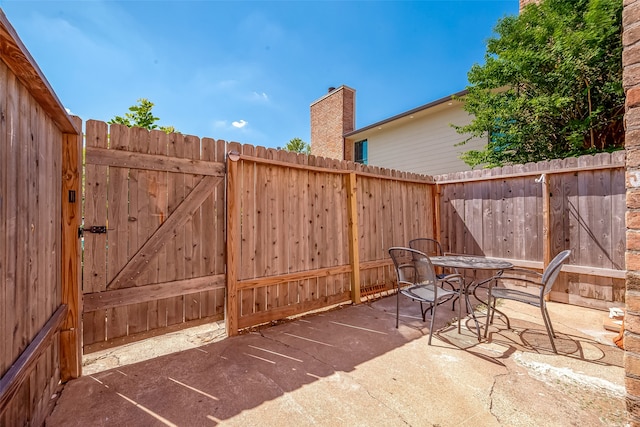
x: 351, y: 366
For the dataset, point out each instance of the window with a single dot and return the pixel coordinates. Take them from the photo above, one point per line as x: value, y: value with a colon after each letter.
x: 360, y: 154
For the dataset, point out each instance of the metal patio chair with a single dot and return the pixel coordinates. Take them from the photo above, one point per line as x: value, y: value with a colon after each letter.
x: 417, y: 280
x: 544, y: 281
x: 432, y: 247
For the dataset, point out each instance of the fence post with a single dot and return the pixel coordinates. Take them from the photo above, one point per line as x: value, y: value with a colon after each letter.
x: 354, y: 255
x: 546, y: 219
x: 546, y: 222
x: 233, y: 243
x: 71, y: 332
x: 436, y: 212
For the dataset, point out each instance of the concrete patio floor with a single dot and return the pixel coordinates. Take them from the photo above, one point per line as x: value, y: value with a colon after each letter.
x: 351, y: 367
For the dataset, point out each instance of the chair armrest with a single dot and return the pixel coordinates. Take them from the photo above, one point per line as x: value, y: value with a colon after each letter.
x: 403, y: 283
x: 404, y: 274
x: 452, y: 277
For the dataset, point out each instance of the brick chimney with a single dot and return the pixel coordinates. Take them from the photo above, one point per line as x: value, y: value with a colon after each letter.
x: 332, y: 116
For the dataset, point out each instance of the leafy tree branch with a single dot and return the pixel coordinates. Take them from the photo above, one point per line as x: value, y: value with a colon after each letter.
x: 141, y: 115
x: 551, y: 84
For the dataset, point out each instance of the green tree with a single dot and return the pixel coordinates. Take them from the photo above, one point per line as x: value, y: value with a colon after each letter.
x: 551, y: 85
x: 298, y: 145
x: 141, y: 115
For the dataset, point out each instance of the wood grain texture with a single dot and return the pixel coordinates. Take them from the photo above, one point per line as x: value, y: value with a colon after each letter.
x: 584, y: 212
x: 354, y: 253
x: 153, y: 162
x: 181, y: 215
x: 71, y: 286
x: 12, y: 380
x: 147, y: 293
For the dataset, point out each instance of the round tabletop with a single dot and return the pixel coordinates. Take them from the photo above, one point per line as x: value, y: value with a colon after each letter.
x: 470, y: 262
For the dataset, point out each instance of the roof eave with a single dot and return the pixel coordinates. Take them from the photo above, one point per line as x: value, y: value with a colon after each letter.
x: 408, y: 113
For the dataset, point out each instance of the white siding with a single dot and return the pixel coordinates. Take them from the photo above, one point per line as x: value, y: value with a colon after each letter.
x: 424, y: 144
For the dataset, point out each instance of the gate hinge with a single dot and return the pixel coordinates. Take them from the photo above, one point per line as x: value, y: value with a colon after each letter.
x: 95, y: 229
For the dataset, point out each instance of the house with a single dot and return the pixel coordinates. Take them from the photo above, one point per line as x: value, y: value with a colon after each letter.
x: 420, y: 140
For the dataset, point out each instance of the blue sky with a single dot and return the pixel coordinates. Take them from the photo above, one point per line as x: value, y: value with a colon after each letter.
x: 248, y: 71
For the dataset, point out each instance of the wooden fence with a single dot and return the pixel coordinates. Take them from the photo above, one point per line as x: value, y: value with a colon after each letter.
x: 307, y: 232
x: 301, y: 231
x: 39, y: 280
x: 513, y: 213
x: 153, y: 233
x: 304, y: 233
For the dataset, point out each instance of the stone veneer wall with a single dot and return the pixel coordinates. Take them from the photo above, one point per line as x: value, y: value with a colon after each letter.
x: 631, y: 83
x: 332, y: 116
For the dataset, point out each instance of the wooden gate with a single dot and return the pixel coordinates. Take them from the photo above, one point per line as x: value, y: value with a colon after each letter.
x: 154, y: 213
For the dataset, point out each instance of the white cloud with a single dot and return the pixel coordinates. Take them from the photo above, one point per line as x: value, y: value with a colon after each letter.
x: 260, y: 96
x: 239, y: 124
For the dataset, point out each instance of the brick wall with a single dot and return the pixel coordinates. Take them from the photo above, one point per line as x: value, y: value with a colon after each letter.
x: 523, y: 3
x: 332, y: 116
x: 631, y: 82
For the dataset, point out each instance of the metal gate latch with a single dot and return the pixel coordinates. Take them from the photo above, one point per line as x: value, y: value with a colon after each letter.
x: 95, y: 229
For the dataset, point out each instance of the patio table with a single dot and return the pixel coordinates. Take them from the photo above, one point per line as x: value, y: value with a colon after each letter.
x: 472, y: 262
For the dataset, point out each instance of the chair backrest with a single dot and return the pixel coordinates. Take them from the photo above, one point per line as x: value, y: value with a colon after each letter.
x: 552, y: 271
x: 427, y: 246
x: 412, y: 266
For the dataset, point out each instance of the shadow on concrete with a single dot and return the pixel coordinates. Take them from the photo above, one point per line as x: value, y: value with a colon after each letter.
x: 343, y: 367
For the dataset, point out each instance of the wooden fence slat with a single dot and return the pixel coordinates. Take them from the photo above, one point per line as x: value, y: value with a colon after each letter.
x: 5, y: 315
x: 138, y: 224
x: 265, y: 246
x: 10, y: 202
x: 21, y: 333
x: 193, y: 228
x: 208, y: 238
x: 354, y: 255
x: 220, y: 209
x: 175, y: 245
x: 156, y: 310
x: 324, y: 224
x: 248, y: 227
x: 117, y: 219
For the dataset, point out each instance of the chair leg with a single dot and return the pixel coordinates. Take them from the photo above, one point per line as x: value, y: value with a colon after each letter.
x: 492, y: 304
x: 553, y: 332
x: 459, y: 306
x: 547, y: 324
x: 397, y: 308
x: 459, y: 312
x: 433, y: 316
x: 489, y: 316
